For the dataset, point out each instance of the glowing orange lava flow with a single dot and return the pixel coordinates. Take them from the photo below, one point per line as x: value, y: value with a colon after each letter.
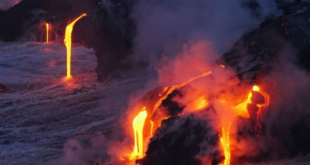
x: 258, y: 126
x: 138, y: 125
x: 239, y: 110
x: 171, y: 89
x: 47, y: 32
x: 157, y: 122
x: 197, y: 104
x: 139, y: 120
x: 68, y: 43
x: 225, y: 141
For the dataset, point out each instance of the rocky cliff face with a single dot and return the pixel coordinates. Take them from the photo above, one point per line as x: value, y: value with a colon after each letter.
x: 255, y: 53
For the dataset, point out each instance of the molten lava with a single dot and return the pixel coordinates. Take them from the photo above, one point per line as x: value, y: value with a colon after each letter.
x: 258, y: 126
x: 171, y: 89
x: 226, y: 117
x: 47, y: 32
x: 138, y: 126
x: 225, y: 141
x: 240, y: 110
x: 197, y: 104
x: 68, y: 43
x: 139, y: 120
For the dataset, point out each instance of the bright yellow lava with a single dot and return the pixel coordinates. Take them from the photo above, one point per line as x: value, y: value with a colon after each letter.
x: 138, y: 125
x: 47, y: 32
x: 68, y: 43
x: 225, y: 141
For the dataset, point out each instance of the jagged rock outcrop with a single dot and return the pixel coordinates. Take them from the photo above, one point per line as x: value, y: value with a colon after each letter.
x: 254, y: 54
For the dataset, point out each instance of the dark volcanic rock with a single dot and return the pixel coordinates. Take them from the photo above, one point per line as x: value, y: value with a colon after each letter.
x: 181, y: 141
x: 255, y: 53
x: 285, y: 40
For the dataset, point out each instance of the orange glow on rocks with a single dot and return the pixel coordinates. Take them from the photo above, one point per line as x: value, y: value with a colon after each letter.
x: 68, y: 43
x: 140, y: 119
x: 227, y: 112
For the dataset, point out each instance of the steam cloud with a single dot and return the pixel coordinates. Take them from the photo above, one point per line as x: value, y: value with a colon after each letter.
x: 164, y: 26
x: 6, y: 4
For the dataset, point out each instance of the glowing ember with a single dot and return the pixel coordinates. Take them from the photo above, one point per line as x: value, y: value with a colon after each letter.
x: 138, y: 125
x: 68, y: 43
x: 47, y: 32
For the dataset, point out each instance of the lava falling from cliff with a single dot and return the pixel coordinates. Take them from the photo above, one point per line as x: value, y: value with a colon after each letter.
x: 68, y: 43
x: 47, y: 32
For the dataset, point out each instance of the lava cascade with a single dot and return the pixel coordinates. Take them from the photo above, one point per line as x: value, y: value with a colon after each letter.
x: 68, y: 43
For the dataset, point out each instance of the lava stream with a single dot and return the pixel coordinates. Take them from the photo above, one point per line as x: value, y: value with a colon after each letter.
x: 139, y: 120
x: 171, y: 89
x: 138, y: 126
x: 225, y: 141
x: 68, y: 43
x: 239, y: 110
x: 197, y: 104
x: 47, y: 32
x: 258, y: 126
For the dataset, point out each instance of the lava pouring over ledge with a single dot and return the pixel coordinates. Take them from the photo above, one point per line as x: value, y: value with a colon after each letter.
x: 68, y: 43
x: 138, y: 126
x: 47, y: 32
